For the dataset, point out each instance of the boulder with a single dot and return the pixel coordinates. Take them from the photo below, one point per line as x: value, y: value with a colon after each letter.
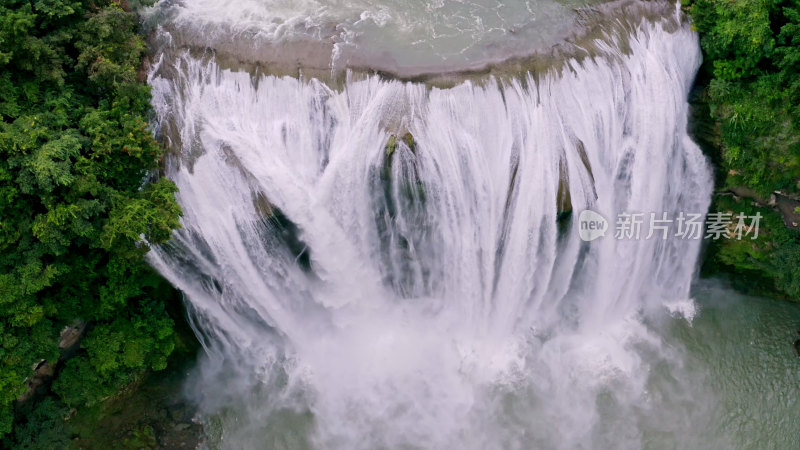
x: 71, y: 335
x: 43, y: 372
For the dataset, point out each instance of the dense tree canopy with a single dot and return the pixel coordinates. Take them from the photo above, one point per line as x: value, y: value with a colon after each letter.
x: 77, y: 190
x: 752, y: 50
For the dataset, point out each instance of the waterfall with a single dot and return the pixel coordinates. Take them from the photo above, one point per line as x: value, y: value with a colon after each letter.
x: 375, y: 263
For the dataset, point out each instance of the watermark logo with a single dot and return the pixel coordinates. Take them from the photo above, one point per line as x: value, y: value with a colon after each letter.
x: 634, y: 226
x: 591, y: 225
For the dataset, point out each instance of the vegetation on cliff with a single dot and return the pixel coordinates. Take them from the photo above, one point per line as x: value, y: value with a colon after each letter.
x: 76, y: 152
x: 752, y: 51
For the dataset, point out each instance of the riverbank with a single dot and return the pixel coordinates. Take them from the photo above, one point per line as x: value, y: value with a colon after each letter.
x: 151, y: 413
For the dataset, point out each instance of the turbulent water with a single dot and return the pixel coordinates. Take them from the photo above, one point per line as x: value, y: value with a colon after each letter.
x: 383, y: 264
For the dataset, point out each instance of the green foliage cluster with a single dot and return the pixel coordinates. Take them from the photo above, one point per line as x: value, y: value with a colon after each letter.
x: 752, y: 52
x: 77, y: 192
x: 753, y: 49
x: 769, y: 263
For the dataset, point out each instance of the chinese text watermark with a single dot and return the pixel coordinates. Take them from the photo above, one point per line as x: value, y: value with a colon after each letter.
x: 662, y: 225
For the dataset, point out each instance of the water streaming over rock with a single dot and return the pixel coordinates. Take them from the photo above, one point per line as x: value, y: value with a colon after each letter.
x: 385, y: 264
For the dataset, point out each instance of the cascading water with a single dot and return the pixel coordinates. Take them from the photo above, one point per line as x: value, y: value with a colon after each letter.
x: 385, y: 264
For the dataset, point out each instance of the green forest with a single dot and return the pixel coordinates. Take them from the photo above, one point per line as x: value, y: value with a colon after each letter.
x: 752, y: 94
x: 80, y: 186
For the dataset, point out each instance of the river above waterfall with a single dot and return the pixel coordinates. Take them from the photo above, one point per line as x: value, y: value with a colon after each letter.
x: 395, y: 35
x: 372, y: 262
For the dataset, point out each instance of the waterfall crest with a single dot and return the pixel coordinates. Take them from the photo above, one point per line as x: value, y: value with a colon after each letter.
x: 387, y: 264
